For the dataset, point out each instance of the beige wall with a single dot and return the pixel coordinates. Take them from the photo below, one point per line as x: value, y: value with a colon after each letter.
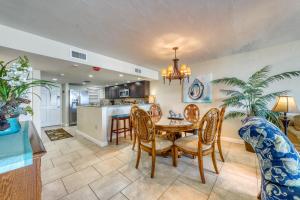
x: 284, y: 57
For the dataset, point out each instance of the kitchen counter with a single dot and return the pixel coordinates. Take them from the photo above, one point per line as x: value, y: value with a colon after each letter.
x: 93, y: 122
x: 117, y: 105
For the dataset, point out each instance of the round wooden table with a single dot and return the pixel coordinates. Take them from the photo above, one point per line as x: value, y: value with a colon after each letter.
x: 173, y: 128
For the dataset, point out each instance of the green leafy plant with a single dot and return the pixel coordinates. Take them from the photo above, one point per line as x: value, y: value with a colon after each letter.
x: 249, y: 98
x: 15, y: 85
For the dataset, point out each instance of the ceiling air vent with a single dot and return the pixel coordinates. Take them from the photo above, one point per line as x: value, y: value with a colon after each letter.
x: 137, y: 70
x: 78, y: 55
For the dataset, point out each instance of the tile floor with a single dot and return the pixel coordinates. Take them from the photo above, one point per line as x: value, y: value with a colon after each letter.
x: 75, y: 169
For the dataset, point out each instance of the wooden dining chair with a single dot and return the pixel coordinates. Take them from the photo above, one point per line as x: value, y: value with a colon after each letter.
x: 156, y: 113
x: 220, y: 125
x: 147, y: 140
x: 202, y: 144
x: 155, y: 110
x: 133, y: 124
x: 191, y: 113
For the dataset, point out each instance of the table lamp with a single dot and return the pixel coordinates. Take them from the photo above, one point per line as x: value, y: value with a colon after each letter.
x: 285, y: 104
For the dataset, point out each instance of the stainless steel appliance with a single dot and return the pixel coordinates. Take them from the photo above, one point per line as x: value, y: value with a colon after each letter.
x: 77, y: 97
x: 124, y: 92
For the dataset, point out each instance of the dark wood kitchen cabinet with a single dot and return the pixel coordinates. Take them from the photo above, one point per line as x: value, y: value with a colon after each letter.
x: 140, y: 89
x: 112, y: 92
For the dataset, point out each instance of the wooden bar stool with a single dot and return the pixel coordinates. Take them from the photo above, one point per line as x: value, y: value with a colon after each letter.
x: 117, y: 131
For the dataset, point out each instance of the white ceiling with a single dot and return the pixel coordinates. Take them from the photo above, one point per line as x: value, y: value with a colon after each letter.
x: 143, y: 31
x: 53, y: 68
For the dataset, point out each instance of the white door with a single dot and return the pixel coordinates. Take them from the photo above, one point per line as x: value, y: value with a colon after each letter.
x: 51, y: 107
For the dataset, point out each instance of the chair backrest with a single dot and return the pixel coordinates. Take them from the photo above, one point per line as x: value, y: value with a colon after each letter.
x: 132, y: 118
x: 155, y: 110
x: 221, y: 119
x: 191, y: 113
x: 145, y: 126
x: 208, y: 126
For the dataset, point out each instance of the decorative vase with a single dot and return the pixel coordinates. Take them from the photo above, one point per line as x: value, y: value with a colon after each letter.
x: 13, y: 126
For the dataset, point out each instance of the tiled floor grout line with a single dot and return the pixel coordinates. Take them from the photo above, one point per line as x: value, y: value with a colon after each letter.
x: 168, y: 188
x: 93, y: 190
x: 129, y: 185
x: 65, y: 188
x: 97, y: 170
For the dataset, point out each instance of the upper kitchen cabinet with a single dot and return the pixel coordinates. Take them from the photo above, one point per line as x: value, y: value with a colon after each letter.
x: 112, y: 92
x: 140, y: 89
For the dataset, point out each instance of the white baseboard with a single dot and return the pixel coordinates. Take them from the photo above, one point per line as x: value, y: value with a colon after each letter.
x: 232, y: 140
x: 99, y: 143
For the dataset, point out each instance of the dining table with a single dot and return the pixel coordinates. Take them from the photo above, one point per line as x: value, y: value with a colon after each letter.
x: 173, y: 127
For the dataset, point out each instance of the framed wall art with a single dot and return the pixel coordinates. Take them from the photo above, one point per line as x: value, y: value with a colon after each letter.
x: 198, y: 89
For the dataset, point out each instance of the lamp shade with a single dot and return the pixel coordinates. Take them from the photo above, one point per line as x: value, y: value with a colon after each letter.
x: 285, y: 104
x: 152, y: 99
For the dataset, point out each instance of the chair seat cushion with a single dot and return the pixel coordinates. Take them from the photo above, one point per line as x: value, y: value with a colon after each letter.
x: 121, y: 116
x: 190, y: 143
x: 160, y: 144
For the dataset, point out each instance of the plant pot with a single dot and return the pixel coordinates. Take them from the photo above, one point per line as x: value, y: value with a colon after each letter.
x: 249, y: 148
x: 13, y: 126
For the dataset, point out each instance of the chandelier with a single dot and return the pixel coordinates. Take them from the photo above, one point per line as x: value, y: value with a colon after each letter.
x: 173, y: 72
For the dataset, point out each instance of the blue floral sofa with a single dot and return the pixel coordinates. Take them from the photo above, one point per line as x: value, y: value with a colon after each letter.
x: 278, y: 159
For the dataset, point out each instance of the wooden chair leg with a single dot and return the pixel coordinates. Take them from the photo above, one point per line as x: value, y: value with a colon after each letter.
x: 134, y: 140
x: 111, y: 129
x: 117, y: 136
x: 153, y: 163
x: 259, y: 195
x: 175, y: 155
x: 200, y: 165
x: 138, y: 157
x: 124, y: 121
x: 213, y: 157
x: 130, y: 129
x: 220, y: 150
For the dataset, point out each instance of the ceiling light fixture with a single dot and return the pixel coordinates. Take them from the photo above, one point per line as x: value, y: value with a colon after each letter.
x: 116, y: 83
x: 128, y: 81
x: 62, y: 74
x: 139, y: 78
x: 173, y: 72
x: 54, y: 79
x: 121, y: 75
x: 91, y: 76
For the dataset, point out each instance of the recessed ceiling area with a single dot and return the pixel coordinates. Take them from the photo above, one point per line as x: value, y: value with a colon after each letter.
x: 62, y: 71
x: 143, y: 32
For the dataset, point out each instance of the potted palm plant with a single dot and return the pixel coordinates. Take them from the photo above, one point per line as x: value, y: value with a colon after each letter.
x: 248, y: 97
x: 15, y: 85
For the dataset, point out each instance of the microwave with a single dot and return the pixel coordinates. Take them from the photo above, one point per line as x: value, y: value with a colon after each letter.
x: 124, y: 92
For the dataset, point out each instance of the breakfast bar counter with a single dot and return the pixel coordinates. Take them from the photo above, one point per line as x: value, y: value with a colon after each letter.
x: 93, y: 122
